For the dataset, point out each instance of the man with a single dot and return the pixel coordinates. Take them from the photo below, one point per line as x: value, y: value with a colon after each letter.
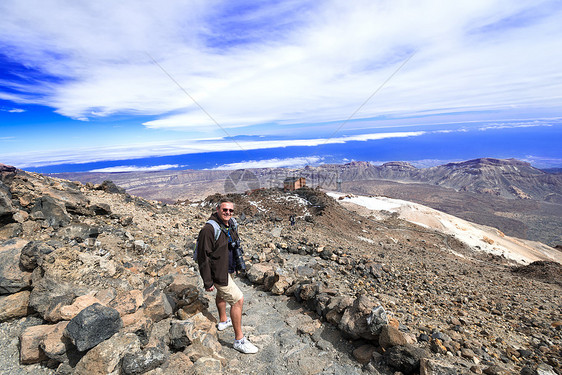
x: 215, y: 261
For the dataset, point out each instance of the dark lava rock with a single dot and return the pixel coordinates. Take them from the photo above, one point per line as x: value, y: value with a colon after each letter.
x: 110, y: 187
x: 543, y: 270
x: 6, y: 208
x: 405, y: 358
x: 12, y: 277
x: 52, y: 211
x: 81, y: 232
x: 101, y: 209
x: 33, y: 253
x: 94, y: 324
x: 139, y: 363
x: 47, y: 294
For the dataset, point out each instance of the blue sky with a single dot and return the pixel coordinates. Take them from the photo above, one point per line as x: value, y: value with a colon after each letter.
x: 207, y: 84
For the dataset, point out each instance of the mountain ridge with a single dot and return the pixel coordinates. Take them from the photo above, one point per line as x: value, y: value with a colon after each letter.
x: 508, y: 194
x: 509, y: 178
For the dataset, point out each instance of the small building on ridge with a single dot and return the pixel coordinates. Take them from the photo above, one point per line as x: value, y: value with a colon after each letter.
x: 294, y: 183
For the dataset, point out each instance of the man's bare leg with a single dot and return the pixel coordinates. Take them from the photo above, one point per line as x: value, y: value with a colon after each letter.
x: 236, y: 317
x: 221, y: 307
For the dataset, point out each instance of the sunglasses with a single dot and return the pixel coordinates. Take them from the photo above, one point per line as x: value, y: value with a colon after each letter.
x: 228, y: 210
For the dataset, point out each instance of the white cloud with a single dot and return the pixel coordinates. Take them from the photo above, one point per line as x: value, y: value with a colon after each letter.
x: 317, y: 62
x: 134, y: 168
x: 298, y: 162
x: 543, y: 162
x: 12, y: 110
x: 496, y: 126
x: 176, y: 147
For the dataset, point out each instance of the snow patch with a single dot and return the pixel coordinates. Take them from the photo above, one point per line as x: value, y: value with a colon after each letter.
x: 478, y: 237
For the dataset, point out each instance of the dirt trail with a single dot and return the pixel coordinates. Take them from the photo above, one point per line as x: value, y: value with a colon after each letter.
x: 273, y: 323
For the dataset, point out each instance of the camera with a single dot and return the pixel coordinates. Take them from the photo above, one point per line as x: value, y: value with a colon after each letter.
x: 237, y: 255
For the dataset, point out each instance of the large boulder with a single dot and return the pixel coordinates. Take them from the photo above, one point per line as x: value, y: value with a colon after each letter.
x: 207, y: 366
x: 390, y: 336
x: 110, y: 187
x: 354, y: 321
x: 30, y: 341
x: 6, y: 208
x: 53, y: 212
x: 80, y: 232
x: 93, y: 325
x: 14, y: 305
x: 68, y: 312
x: 33, y: 253
x: 105, y: 358
x: 177, y: 364
x: 185, y: 332
x: 336, y: 308
x: 49, y: 296
x: 127, y: 302
x: 256, y: 273
x: 54, y: 344
x: 12, y: 277
x: 405, y: 359
x: 143, y: 361
x: 138, y: 324
x: 156, y: 304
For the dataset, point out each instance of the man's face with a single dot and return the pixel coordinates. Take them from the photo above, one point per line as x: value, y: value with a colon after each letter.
x: 225, y: 211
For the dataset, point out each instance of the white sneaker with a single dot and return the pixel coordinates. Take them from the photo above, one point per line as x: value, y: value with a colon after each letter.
x: 245, y: 346
x: 224, y: 325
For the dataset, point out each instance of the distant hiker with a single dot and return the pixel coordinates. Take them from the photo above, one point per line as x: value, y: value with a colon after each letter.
x: 218, y: 257
x: 292, y: 219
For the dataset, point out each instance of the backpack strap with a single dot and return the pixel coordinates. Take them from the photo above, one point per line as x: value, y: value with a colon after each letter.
x: 233, y: 224
x: 217, y: 228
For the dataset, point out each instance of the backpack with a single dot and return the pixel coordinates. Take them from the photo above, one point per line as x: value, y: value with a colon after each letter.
x: 218, y: 230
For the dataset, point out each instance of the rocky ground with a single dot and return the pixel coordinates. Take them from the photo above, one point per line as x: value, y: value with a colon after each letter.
x: 93, y: 280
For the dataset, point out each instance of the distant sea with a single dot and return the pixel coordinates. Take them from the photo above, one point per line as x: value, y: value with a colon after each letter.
x: 541, y: 145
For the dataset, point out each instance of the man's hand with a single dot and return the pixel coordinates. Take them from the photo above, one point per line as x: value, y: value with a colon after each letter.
x: 210, y: 289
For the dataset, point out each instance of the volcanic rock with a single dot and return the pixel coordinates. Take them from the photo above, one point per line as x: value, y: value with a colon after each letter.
x: 405, y: 358
x: 93, y: 325
x: 143, y: 361
x: 33, y: 254
x: 107, y: 356
x: 53, y: 212
x: 13, y: 278
x: 14, y: 306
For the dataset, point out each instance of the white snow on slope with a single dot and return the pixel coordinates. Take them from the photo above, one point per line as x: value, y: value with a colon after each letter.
x: 478, y: 237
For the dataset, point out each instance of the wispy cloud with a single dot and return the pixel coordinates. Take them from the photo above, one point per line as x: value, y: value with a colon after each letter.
x: 529, y: 124
x: 292, y: 62
x: 12, y: 110
x: 177, y: 147
x: 135, y: 168
x: 298, y: 162
x: 543, y: 162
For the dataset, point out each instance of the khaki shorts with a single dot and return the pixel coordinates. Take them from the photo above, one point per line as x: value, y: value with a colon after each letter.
x: 230, y: 293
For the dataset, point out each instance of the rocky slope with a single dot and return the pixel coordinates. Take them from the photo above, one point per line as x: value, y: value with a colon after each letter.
x: 93, y: 280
